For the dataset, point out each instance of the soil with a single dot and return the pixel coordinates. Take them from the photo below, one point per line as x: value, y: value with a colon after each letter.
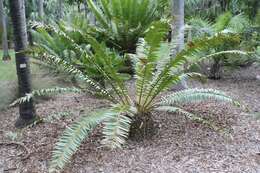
x: 180, y: 146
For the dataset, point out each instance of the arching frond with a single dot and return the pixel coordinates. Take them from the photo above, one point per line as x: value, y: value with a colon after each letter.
x: 196, y: 95
x: 239, y: 23
x: 67, y: 67
x: 199, y: 27
x: 196, y: 76
x: 73, y: 136
x: 147, y: 57
x: 45, y: 92
x: 222, y: 21
x: 187, y: 114
x: 168, y: 75
x: 101, y: 61
x: 116, y: 126
x: 197, y: 57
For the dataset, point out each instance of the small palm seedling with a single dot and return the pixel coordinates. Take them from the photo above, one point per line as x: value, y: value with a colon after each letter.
x: 155, y: 72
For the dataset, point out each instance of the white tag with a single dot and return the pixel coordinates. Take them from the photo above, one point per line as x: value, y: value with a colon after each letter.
x: 22, y: 65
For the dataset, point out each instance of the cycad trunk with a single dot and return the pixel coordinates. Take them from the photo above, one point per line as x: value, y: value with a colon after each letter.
x: 178, y: 28
x: 17, y: 10
x: 143, y: 127
x: 6, y: 55
x: 215, y: 70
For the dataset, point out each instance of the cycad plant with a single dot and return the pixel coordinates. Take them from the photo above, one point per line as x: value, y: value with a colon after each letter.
x: 122, y: 22
x: 155, y: 72
x: 234, y: 55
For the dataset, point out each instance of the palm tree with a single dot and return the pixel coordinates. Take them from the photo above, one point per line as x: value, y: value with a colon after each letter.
x: 17, y: 11
x: 6, y: 55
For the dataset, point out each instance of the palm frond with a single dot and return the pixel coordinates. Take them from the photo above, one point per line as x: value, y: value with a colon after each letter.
x: 222, y: 21
x: 44, y: 92
x: 238, y: 23
x: 196, y: 95
x: 168, y: 75
x: 73, y: 136
x: 197, y: 57
x: 199, y: 27
x: 116, y: 126
x: 98, y: 12
x: 193, y: 75
x: 147, y: 57
x: 187, y: 114
x: 67, y: 67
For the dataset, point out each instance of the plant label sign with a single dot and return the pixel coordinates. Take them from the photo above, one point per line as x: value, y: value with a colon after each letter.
x: 23, y: 65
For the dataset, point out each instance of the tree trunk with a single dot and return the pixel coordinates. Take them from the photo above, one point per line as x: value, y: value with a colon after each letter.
x: 27, y: 112
x: 178, y: 24
x: 178, y: 28
x: 40, y: 9
x: 6, y: 55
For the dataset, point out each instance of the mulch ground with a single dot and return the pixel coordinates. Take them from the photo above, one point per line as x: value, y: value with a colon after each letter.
x: 180, y: 146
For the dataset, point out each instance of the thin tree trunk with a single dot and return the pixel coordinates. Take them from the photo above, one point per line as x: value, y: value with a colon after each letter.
x: 40, y: 9
x: 178, y: 24
x: 27, y: 112
x: 6, y: 55
x: 178, y: 28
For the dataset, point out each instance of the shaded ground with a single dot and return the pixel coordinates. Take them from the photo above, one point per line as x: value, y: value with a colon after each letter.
x: 180, y: 145
x: 8, y: 80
